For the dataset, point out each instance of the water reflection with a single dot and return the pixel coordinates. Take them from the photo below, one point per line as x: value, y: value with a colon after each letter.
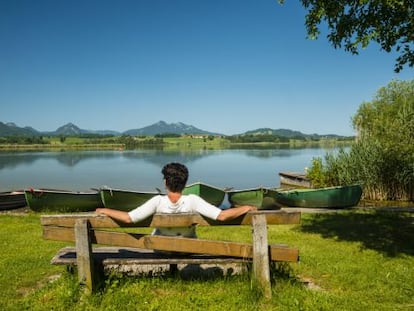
x: 263, y: 153
x: 156, y: 156
x: 140, y: 169
x: 160, y: 157
x: 70, y: 159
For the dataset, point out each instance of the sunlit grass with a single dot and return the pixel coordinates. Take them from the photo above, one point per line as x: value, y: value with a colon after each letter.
x: 349, y: 261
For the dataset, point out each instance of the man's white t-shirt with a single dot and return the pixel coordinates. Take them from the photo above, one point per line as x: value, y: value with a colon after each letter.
x: 190, y: 203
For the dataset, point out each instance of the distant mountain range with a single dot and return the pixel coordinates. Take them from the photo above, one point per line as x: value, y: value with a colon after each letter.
x: 161, y: 127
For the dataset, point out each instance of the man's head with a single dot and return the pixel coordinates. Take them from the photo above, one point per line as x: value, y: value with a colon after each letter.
x: 175, y: 175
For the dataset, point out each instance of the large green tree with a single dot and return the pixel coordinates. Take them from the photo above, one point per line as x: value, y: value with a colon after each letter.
x: 389, y: 117
x: 353, y: 24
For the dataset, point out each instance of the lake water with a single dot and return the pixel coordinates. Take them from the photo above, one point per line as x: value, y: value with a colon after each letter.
x: 141, y: 169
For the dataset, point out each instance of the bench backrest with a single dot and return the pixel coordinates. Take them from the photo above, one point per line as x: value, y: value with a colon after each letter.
x: 169, y: 220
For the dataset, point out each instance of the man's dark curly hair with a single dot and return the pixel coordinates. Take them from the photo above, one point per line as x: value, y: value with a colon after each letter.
x: 175, y: 175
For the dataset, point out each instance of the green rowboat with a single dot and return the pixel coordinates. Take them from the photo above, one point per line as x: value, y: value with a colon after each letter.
x: 262, y: 198
x: 269, y: 200
x: 125, y: 200
x: 41, y: 200
x: 330, y: 197
x: 211, y: 194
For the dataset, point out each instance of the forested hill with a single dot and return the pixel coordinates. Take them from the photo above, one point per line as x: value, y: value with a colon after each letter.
x: 288, y: 133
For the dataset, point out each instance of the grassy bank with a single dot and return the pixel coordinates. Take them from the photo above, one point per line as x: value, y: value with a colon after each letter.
x: 352, y: 260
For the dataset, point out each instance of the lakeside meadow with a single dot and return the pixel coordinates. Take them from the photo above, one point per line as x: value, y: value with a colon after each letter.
x: 353, y: 259
x: 357, y: 259
x: 246, y: 64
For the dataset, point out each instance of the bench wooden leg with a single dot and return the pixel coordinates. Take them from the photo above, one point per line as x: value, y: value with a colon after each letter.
x: 261, y: 268
x: 84, y: 256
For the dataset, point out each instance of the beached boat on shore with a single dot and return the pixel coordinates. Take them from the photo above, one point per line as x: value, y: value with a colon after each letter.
x: 40, y: 200
x: 329, y: 197
x: 211, y: 194
x: 262, y: 198
x: 294, y: 179
x: 125, y: 200
x: 12, y: 200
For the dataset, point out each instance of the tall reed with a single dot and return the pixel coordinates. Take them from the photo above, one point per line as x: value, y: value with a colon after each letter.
x: 384, y: 175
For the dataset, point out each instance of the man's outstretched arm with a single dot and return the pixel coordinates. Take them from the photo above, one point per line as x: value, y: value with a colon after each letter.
x: 115, y: 214
x: 235, y: 212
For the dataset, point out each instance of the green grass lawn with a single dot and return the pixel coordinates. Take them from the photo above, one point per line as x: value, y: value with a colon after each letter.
x: 352, y: 260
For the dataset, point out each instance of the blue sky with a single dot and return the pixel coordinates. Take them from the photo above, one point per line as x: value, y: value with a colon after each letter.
x: 224, y: 66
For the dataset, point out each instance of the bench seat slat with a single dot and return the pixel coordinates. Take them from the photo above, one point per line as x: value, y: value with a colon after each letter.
x: 130, y: 256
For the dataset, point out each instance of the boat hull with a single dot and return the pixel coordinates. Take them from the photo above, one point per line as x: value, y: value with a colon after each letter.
x: 330, y: 197
x: 12, y: 200
x: 290, y: 179
x: 125, y: 200
x: 211, y: 194
x: 40, y: 200
x: 262, y: 198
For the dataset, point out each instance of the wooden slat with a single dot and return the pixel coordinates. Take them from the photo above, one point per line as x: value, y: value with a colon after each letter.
x: 133, y: 256
x: 283, y: 253
x: 186, y: 245
x: 95, y: 220
x: 58, y: 233
x: 198, y: 246
x: 169, y: 220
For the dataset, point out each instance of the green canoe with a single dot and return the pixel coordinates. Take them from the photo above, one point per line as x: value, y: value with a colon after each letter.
x: 211, y: 194
x: 262, y: 198
x: 330, y: 197
x: 125, y: 200
x: 41, y: 200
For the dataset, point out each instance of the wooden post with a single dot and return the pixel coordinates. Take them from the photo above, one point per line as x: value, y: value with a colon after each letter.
x: 261, y: 269
x: 84, y: 258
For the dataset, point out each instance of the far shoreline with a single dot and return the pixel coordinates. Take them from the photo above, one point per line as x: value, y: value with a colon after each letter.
x: 171, y: 144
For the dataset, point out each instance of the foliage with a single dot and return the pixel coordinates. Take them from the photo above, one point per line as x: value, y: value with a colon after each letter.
x: 317, y: 173
x: 383, y: 157
x: 335, y: 170
x: 259, y: 138
x: 354, y: 24
x: 164, y: 135
x: 23, y: 140
x: 387, y: 124
x: 131, y: 142
x: 389, y: 118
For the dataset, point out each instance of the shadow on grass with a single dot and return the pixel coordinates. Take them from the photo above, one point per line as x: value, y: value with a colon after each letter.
x: 389, y: 233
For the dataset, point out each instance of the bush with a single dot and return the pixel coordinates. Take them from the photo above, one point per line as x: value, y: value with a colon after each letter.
x: 382, y: 158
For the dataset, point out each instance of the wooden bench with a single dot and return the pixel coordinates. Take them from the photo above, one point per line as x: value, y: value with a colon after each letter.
x: 86, y: 229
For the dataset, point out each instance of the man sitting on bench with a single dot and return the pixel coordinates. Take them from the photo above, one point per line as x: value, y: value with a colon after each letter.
x: 175, y: 179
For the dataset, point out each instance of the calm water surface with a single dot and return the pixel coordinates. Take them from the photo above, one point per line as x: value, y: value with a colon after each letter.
x: 141, y: 169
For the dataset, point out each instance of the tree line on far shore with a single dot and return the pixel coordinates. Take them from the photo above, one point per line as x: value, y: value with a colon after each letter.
x: 131, y: 142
